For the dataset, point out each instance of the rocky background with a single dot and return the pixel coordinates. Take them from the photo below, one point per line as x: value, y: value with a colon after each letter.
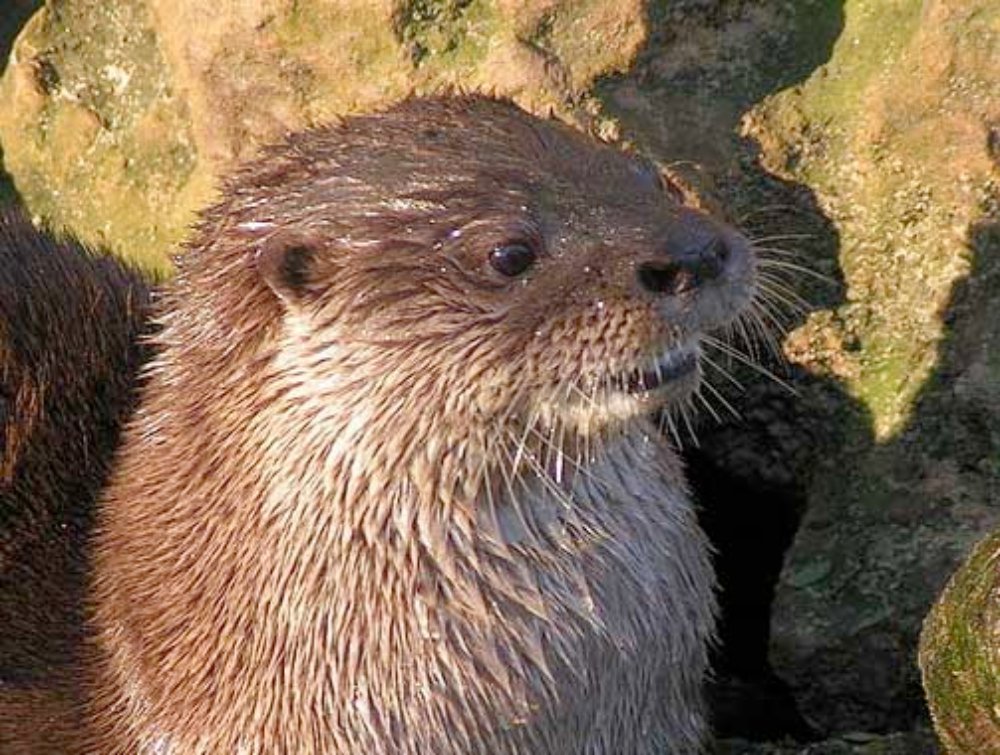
x: 858, y: 141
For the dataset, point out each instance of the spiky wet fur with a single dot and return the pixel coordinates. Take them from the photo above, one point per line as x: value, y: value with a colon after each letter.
x: 361, y: 510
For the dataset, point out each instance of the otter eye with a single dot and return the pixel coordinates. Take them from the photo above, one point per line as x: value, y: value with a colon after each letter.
x: 511, y: 260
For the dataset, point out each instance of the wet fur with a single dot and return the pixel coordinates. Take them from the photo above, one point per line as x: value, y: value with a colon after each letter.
x: 374, y: 501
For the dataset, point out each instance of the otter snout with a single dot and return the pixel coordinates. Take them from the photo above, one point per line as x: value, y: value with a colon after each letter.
x: 687, y: 271
x: 694, y: 251
x: 700, y: 271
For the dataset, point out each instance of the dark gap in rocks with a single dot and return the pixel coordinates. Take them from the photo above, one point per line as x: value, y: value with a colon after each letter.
x: 750, y: 526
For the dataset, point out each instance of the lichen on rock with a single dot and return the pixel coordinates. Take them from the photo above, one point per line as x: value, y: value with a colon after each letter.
x: 117, y: 118
x: 960, y: 655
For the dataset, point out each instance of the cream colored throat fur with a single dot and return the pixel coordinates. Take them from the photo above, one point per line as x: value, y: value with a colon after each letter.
x: 544, y: 619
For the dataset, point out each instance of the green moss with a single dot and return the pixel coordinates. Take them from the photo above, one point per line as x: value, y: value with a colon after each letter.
x: 874, y: 37
x: 883, y: 133
x: 312, y: 25
x: 109, y: 149
x: 105, y: 55
x: 958, y: 654
x: 8, y: 194
x: 454, y: 34
x: 579, y: 38
x: 337, y: 57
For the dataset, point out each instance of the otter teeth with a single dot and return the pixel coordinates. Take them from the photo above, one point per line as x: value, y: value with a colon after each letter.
x: 670, y: 365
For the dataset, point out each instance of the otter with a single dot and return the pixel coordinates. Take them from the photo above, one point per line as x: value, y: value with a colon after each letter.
x: 70, y: 320
x: 391, y: 487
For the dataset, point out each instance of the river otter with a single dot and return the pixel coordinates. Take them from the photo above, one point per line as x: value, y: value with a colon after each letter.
x: 391, y: 488
x: 69, y: 351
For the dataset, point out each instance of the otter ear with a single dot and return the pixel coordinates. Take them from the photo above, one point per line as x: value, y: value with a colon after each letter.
x: 287, y: 265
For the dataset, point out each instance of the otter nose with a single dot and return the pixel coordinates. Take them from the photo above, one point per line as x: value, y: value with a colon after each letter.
x: 685, y: 267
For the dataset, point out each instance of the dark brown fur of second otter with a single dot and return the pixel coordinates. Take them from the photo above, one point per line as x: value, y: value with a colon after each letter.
x: 69, y: 326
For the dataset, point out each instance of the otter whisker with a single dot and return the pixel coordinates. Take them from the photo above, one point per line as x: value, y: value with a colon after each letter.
x: 765, y: 262
x: 756, y: 242
x: 708, y: 406
x: 511, y: 480
x: 791, y: 208
x: 562, y: 453
x: 574, y: 463
x: 561, y: 496
x: 685, y: 410
x: 722, y: 399
x: 766, y: 328
x: 765, y: 333
x: 760, y: 310
x: 494, y: 515
x: 722, y: 370
x: 751, y: 343
x: 770, y: 291
x: 779, y: 284
x: 742, y: 358
x: 770, y: 252
x: 521, y: 443
x: 665, y: 417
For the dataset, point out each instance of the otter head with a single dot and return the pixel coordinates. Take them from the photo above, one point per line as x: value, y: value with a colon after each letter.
x: 460, y: 263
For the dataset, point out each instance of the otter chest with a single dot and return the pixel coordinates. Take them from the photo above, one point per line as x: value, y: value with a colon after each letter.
x: 594, y: 604
x: 571, y: 619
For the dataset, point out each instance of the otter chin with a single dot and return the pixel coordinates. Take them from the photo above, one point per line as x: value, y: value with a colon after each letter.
x: 391, y: 487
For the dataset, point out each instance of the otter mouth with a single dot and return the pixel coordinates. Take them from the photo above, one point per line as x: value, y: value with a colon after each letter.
x: 672, y: 365
x: 656, y: 382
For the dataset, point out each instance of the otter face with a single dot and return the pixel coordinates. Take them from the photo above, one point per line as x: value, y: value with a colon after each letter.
x: 505, y: 264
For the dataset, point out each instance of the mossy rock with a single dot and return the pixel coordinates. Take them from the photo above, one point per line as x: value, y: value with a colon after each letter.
x: 116, y: 119
x: 960, y: 655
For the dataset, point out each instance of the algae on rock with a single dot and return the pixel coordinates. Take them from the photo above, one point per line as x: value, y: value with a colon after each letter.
x: 117, y: 118
x: 960, y: 655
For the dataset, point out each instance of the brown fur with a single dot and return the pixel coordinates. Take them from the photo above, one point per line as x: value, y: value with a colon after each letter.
x: 379, y: 498
x: 69, y: 322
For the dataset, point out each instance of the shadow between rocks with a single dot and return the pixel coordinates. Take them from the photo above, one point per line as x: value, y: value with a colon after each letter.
x: 15, y: 16
x: 8, y: 194
x: 911, y: 509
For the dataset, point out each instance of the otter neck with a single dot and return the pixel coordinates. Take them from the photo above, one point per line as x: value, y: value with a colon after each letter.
x: 259, y: 543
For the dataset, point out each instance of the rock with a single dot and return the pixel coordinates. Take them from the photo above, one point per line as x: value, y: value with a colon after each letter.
x: 960, y: 655
x: 894, y: 138
x: 918, y: 742
x: 116, y: 118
